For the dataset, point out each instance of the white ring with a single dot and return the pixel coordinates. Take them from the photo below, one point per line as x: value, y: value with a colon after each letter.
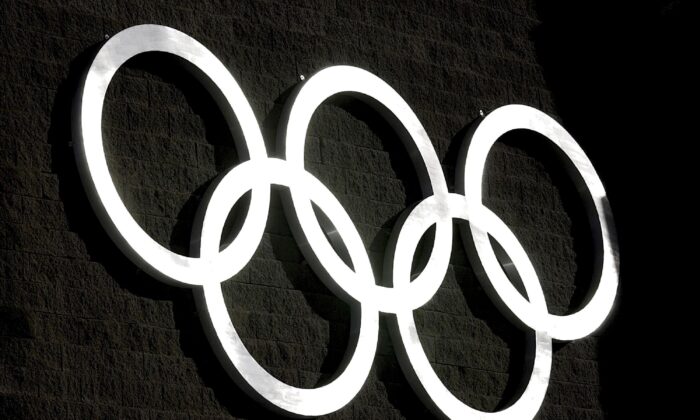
x: 247, y: 371
x: 414, y: 361
x: 591, y: 316
x: 316, y: 247
x: 166, y: 265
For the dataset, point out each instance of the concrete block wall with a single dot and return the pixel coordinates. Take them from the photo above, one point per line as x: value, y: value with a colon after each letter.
x: 85, y: 334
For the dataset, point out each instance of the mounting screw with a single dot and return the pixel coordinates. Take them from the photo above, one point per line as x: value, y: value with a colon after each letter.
x: 481, y: 113
x: 301, y: 77
x: 106, y: 36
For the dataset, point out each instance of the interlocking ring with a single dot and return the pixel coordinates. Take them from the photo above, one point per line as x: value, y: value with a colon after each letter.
x: 354, y: 283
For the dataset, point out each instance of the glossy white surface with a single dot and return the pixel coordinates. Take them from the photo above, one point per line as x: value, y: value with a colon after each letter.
x: 355, y: 284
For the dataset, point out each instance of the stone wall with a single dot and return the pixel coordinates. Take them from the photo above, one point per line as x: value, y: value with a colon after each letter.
x: 84, y: 333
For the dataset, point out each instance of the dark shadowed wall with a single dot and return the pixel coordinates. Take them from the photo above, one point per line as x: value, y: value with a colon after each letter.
x: 85, y: 334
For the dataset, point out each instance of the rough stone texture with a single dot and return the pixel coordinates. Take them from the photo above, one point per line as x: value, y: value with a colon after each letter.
x: 85, y: 334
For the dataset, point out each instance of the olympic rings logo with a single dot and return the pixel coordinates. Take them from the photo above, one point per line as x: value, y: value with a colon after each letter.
x: 355, y: 283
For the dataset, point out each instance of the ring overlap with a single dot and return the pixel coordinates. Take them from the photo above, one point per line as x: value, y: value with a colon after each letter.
x: 354, y: 283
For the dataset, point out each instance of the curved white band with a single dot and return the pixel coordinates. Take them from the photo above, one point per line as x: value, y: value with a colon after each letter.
x: 355, y: 284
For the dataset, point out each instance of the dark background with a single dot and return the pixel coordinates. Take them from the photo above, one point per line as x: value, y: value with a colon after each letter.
x: 84, y: 333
